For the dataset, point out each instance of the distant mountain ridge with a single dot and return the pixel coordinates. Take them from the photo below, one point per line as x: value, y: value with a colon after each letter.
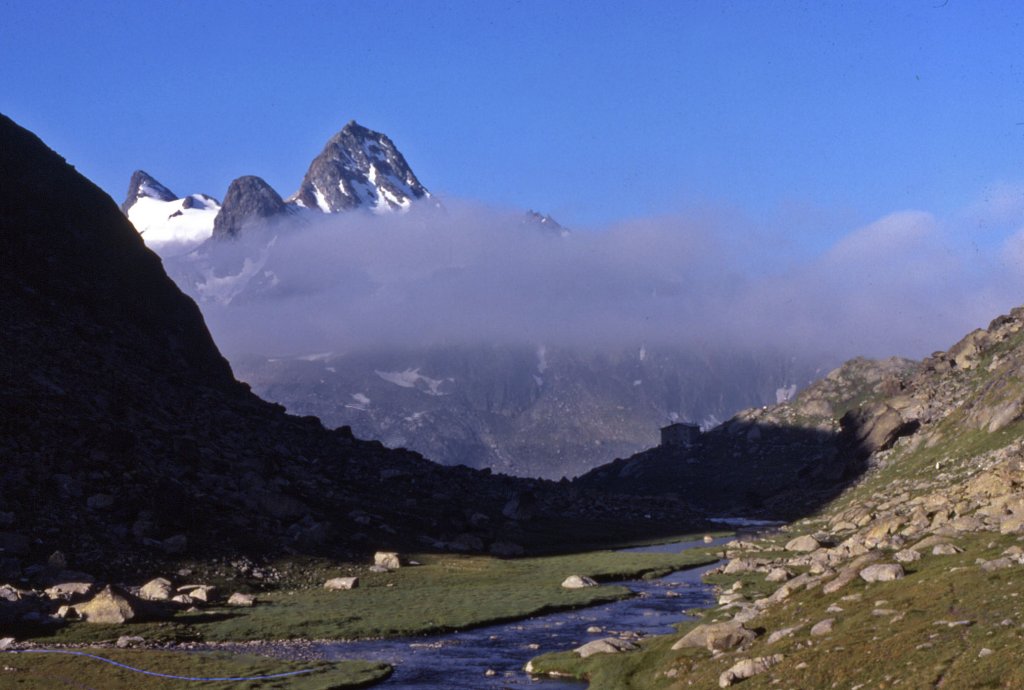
x: 509, y: 408
x: 357, y: 169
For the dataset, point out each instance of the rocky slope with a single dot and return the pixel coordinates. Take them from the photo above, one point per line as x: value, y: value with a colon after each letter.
x: 910, y: 576
x: 125, y: 438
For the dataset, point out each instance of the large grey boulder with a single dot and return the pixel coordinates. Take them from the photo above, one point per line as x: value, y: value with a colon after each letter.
x: 242, y: 600
x: 387, y: 559
x: 748, y: 668
x: 882, y: 572
x: 578, y: 582
x: 341, y: 583
x: 803, y: 544
x: 823, y: 627
x: 607, y: 645
x: 717, y: 637
x: 69, y: 590
x: 157, y: 589
x: 109, y: 607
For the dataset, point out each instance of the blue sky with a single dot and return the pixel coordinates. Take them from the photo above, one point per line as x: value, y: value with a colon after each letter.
x: 819, y: 116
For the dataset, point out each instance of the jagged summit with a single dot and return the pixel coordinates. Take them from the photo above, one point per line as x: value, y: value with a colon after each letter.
x: 359, y: 168
x: 544, y: 222
x: 249, y: 199
x: 144, y: 186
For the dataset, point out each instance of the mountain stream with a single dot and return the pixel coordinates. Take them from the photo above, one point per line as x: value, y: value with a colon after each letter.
x: 494, y: 656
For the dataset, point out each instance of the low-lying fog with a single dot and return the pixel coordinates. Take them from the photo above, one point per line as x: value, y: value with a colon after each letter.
x: 906, y: 284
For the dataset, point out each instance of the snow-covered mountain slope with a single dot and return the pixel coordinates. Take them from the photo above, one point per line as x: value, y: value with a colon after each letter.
x: 359, y: 168
x: 163, y: 219
x: 181, y: 221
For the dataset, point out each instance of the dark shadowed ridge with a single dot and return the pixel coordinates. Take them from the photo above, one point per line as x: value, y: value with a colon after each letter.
x: 69, y: 248
x: 125, y: 440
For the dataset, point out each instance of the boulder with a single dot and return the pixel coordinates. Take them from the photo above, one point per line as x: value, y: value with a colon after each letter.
x: 126, y: 641
x: 341, y: 583
x: 778, y: 575
x: 783, y: 633
x: 69, y: 590
x: 996, y: 564
x: 882, y: 572
x: 907, y: 556
x: 849, y: 573
x: 204, y: 593
x: 157, y: 589
x: 945, y: 550
x: 387, y: 559
x: 1011, y: 524
x: 241, y: 600
x: 109, y: 606
x: 717, y: 637
x: 803, y: 544
x: 823, y: 627
x: 748, y: 668
x: 578, y: 582
x: 606, y: 645
x: 744, y: 565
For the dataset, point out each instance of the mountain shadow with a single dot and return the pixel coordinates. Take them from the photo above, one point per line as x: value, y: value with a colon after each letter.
x: 781, y: 462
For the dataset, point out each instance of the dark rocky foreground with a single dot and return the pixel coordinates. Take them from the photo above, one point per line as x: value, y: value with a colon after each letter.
x: 125, y: 439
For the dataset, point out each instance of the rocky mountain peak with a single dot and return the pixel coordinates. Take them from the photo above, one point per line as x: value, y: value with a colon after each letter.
x: 545, y: 222
x: 144, y: 186
x: 359, y: 168
x: 248, y: 199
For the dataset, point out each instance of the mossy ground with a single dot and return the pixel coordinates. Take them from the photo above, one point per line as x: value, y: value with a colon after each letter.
x: 445, y: 592
x: 33, y: 671
x: 894, y: 634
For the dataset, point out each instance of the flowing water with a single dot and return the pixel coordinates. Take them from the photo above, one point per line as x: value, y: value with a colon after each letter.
x: 494, y: 656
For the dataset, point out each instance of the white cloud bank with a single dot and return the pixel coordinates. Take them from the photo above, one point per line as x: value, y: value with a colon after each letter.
x: 907, y: 284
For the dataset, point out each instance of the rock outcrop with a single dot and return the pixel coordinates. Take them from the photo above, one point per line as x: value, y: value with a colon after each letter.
x: 248, y: 200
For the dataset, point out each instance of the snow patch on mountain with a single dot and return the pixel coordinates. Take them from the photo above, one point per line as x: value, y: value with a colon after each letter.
x: 187, y: 221
x: 360, y: 402
x: 412, y: 378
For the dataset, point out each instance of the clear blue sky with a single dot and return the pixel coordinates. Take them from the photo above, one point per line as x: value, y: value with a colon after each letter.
x: 593, y: 111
